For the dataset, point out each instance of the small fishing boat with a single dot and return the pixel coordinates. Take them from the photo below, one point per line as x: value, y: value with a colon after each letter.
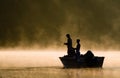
x: 85, y: 61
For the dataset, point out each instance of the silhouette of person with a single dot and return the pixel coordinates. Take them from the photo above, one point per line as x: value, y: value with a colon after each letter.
x: 89, y: 55
x: 78, y: 49
x: 69, y: 44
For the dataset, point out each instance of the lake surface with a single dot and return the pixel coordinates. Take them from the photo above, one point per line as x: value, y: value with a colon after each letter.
x: 58, y: 72
x: 35, y: 64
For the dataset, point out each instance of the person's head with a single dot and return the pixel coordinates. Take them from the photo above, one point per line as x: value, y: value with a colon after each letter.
x: 78, y: 40
x: 68, y: 35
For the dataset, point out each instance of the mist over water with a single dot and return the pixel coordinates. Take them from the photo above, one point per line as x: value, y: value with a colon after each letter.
x: 38, y: 23
x: 49, y: 58
x: 28, y: 58
x: 45, y: 64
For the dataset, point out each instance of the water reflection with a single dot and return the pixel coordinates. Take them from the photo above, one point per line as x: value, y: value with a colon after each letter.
x: 84, y: 73
x: 58, y: 72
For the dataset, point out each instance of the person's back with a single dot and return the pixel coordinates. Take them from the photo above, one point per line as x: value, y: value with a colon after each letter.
x: 89, y: 55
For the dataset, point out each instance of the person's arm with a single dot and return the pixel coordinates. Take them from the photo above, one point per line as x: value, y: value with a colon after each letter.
x: 65, y: 43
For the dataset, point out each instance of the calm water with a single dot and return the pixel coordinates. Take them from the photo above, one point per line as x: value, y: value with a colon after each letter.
x: 47, y: 65
x: 58, y: 72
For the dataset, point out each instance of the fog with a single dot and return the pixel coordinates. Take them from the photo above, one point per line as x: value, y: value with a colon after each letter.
x: 28, y: 58
x: 44, y: 58
x: 42, y: 24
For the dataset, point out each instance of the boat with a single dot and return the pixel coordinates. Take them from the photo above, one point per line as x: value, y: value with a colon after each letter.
x: 83, y: 62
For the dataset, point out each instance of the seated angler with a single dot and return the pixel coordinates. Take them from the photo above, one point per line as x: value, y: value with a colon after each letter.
x: 78, y: 49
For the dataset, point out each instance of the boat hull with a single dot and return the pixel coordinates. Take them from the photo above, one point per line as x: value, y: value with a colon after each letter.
x: 72, y: 62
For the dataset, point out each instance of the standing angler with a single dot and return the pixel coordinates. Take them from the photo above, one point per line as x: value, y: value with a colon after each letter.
x: 69, y: 45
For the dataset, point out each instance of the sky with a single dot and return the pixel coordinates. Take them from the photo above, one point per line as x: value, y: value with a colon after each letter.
x: 44, y: 23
